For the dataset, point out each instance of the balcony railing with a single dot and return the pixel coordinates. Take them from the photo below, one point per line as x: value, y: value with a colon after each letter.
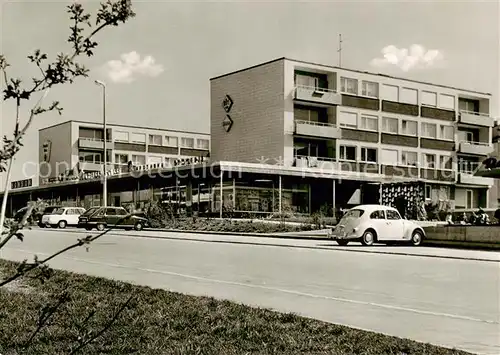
x: 317, y: 129
x: 468, y: 178
x: 94, y: 143
x: 476, y: 118
x: 304, y: 161
x: 316, y: 95
x: 475, y: 148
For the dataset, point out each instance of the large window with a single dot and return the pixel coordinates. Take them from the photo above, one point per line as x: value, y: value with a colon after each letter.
x: 429, y: 161
x: 447, y: 132
x: 306, y: 80
x: 171, y: 141
x: 390, y: 93
x: 347, y: 153
x: 139, y: 159
x: 369, y: 155
x: 305, y: 114
x: 369, y: 88
x: 409, y: 127
x: 429, y: 130
x: 155, y: 139
x: 409, y: 158
x: 468, y: 105
x: 429, y: 98
x: 348, y: 119
x: 445, y: 162
x: 447, y: 101
x: 390, y: 125
x: 202, y: 143
x: 349, y: 85
x: 155, y: 160
x: 369, y: 123
x: 121, y: 136
x: 138, y: 138
x: 88, y: 157
x: 409, y: 96
x: 121, y: 158
x: 187, y: 142
x: 389, y: 157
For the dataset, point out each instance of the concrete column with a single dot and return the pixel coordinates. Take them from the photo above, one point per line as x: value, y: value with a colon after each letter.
x: 279, y: 193
x: 334, y: 198
x: 234, y: 193
x: 221, y: 195
x: 189, y: 198
x: 380, y: 194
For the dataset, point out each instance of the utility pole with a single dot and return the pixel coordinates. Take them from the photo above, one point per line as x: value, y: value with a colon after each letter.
x: 339, y: 51
x: 105, y: 161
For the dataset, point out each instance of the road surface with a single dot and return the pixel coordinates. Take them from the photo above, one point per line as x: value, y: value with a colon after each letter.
x: 439, y: 296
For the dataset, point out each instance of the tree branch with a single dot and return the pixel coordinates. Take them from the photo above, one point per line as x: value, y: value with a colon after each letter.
x: 85, y: 241
x: 105, y: 328
x: 45, y: 314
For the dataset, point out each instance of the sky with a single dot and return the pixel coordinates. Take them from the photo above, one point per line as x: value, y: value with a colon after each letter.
x: 157, y: 66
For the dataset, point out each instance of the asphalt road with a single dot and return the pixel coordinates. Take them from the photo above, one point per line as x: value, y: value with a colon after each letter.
x: 432, y: 295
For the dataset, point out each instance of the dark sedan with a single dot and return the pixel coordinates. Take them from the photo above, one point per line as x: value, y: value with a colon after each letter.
x: 102, y: 217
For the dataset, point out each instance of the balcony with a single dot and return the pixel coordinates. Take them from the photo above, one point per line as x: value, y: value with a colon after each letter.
x: 90, y: 167
x: 93, y: 143
x: 317, y: 129
x: 468, y: 178
x: 475, y: 148
x: 476, y: 119
x: 322, y: 163
x: 317, y: 96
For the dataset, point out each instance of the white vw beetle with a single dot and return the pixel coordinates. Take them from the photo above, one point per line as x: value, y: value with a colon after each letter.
x: 369, y: 224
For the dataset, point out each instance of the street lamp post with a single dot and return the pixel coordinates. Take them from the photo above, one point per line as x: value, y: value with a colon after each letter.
x: 105, y: 158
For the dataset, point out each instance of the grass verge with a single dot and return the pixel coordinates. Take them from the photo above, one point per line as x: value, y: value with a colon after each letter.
x: 161, y: 322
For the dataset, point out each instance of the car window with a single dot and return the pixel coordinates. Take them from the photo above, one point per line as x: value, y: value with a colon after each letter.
x: 111, y: 211
x: 90, y: 211
x: 393, y: 214
x: 354, y: 213
x: 122, y: 212
x: 58, y: 211
x: 377, y: 215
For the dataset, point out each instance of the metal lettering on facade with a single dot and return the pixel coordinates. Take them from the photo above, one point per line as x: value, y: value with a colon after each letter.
x: 47, y: 149
x: 21, y: 183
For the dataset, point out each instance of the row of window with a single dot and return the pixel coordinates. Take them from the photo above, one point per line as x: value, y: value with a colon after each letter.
x: 395, y: 126
x: 139, y: 159
x: 157, y: 139
x: 396, y: 93
x: 394, y: 157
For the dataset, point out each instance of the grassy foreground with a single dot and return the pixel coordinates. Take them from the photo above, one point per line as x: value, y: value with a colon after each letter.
x: 161, y: 322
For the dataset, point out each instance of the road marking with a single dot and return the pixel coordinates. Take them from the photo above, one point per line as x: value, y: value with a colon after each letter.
x: 270, y: 288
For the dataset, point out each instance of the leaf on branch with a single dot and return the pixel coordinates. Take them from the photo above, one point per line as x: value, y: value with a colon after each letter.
x: 20, y: 236
x: 112, y: 13
x: 54, y: 106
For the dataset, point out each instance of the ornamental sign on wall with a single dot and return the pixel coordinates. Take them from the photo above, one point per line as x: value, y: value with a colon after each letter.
x: 227, y: 103
x: 47, y: 148
x: 227, y: 123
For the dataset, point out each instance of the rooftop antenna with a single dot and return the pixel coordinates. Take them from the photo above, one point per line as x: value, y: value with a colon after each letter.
x: 340, y: 50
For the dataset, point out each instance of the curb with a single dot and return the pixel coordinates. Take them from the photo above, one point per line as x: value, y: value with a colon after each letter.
x: 255, y: 235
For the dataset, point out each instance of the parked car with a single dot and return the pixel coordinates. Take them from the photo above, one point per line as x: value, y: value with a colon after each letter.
x: 101, y: 217
x: 369, y: 224
x: 62, y: 217
x: 37, y: 216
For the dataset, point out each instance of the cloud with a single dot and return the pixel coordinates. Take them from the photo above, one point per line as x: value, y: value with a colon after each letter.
x: 130, y: 66
x: 406, y: 59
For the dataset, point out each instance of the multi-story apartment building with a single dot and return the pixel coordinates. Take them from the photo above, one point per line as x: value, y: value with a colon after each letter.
x: 299, y: 114
x: 74, y: 147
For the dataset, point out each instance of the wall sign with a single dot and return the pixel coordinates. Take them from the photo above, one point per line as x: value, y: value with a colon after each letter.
x: 21, y: 183
x: 227, y: 103
x: 227, y: 123
x: 47, y: 149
